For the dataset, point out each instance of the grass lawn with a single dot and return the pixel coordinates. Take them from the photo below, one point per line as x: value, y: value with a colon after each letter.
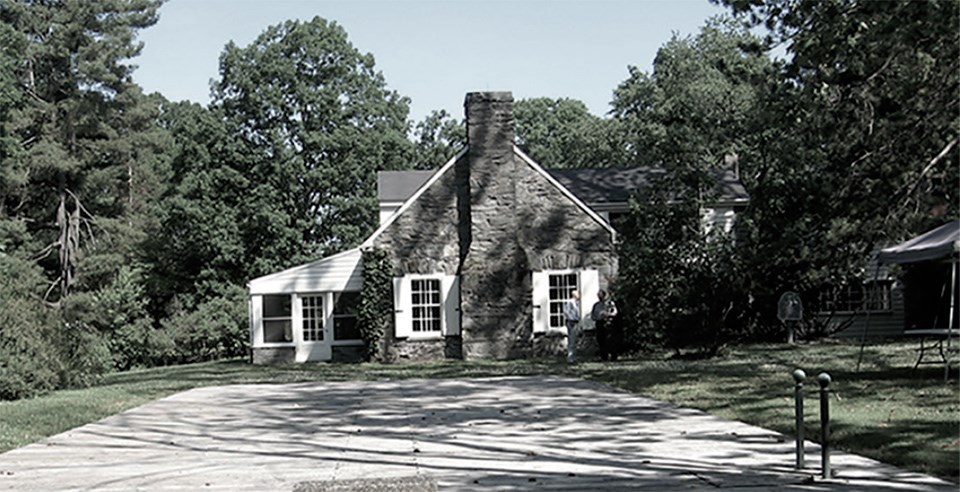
x: 886, y: 411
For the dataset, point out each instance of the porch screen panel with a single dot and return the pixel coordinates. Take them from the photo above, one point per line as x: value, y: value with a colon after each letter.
x: 312, y: 316
x: 345, y: 316
x: 277, y: 323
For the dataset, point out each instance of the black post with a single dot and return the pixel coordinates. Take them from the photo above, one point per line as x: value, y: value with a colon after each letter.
x: 798, y: 377
x: 824, y: 380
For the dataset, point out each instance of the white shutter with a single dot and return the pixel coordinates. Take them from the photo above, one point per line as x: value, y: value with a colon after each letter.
x: 589, y: 295
x: 450, y: 285
x: 541, y: 301
x: 402, y: 310
x: 256, y: 320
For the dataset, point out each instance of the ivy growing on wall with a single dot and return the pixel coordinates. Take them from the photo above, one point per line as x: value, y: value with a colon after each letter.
x: 376, y: 303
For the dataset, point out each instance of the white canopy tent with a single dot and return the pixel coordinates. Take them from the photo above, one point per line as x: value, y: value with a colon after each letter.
x: 938, y: 245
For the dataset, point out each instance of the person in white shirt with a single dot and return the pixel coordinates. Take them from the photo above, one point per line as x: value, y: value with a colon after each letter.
x: 571, y: 311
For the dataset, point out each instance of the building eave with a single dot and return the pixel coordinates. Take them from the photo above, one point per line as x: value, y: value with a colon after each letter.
x: 368, y: 243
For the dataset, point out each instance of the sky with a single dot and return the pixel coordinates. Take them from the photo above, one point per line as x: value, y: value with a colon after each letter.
x: 434, y: 52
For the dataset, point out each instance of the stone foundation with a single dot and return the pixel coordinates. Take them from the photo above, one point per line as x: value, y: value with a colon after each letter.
x: 273, y: 355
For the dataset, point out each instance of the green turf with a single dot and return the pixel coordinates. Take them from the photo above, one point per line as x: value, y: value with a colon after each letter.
x: 885, y: 411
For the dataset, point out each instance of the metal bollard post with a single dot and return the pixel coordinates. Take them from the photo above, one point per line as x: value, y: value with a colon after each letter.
x: 824, y: 380
x: 798, y: 377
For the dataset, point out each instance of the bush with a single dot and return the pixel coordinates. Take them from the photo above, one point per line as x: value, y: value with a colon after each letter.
x: 216, y: 329
x: 29, y: 359
x: 678, y: 286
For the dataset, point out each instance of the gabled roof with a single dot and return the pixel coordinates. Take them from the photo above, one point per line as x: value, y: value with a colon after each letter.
x: 393, y: 184
x: 342, y: 271
x: 397, y: 186
x: 429, y: 177
x: 592, y: 186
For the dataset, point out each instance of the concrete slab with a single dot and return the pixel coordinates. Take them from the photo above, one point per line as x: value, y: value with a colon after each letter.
x: 518, y: 433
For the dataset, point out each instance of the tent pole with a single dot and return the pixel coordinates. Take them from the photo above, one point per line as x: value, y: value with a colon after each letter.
x: 866, y: 326
x: 954, y: 265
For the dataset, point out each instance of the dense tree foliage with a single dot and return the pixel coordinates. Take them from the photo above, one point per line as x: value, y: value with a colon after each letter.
x: 437, y: 138
x: 130, y: 224
x: 81, y: 163
x: 562, y: 133
x: 693, y: 116
x: 698, y: 106
x: 317, y: 121
x: 860, y: 147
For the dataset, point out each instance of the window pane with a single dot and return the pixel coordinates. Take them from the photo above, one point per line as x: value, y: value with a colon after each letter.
x: 345, y: 328
x: 312, y: 313
x: 856, y: 297
x: 347, y: 303
x: 426, y: 305
x: 561, y: 289
x: 277, y: 331
x: 276, y: 306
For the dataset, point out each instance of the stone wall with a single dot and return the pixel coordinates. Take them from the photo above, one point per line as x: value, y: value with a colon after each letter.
x: 494, y: 274
x: 557, y: 233
x: 493, y: 221
x: 424, y: 240
x: 273, y: 355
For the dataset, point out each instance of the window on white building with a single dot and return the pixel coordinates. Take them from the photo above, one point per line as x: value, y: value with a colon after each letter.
x: 560, y: 291
x: 856, y: 297
x: 425, y: 302
x: 312, y: 317
x: 345, y: 310
x: 426, y: 306
x: 277, y: 321
x: 552, y: 289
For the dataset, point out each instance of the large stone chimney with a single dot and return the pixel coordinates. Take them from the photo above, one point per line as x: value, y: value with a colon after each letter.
x: 492, y: 266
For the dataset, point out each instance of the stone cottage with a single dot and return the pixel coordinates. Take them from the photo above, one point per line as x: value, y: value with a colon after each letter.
x: 485, y: 251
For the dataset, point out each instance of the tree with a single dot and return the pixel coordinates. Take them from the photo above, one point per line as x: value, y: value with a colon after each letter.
x: 561, y: 133
x: 864, y: 130
x: 692, y: 116
x: 317, y: 122
x: 437, y: 139
x: 207, y: 216
x: 79, y: 166
x: 697, y: 106
x: 72, y: 71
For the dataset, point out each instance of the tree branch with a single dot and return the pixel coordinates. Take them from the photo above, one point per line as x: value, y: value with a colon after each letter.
x: 933, y: 162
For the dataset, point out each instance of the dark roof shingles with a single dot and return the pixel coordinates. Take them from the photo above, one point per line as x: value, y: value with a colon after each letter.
x: 591, y: 185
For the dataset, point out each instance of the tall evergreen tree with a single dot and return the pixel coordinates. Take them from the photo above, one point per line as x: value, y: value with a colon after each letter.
x: 73, y: 71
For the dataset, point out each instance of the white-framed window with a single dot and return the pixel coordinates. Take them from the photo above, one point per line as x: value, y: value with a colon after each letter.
x: 277, y: 318
x: 426, y: 306
x: 345, y: 308
x: 311, y: 317
x: 560, y: 290
x: 553, y: 288
x: 854, y: 297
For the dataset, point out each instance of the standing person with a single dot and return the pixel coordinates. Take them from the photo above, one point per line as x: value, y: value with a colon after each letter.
x: 571, y: 311
x: 604, y: 313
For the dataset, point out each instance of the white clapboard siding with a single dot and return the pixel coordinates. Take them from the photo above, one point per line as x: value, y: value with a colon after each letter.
x: 337, y: 273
